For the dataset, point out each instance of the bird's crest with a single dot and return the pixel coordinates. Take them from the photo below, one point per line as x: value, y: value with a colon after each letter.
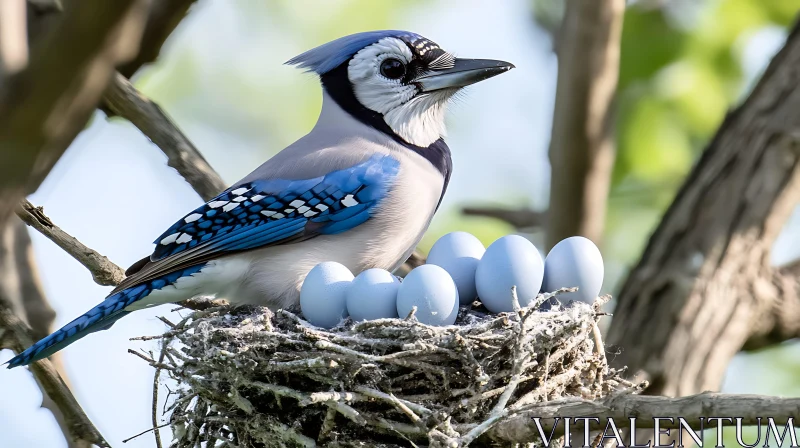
x: 328, y: 56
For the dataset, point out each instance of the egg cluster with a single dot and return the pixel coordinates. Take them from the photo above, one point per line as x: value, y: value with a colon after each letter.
x: 459, y: 271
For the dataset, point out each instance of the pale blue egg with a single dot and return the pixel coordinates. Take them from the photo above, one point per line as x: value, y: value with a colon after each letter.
x: 373, y: 295
x: 323, y: 294
x: 510, y: 261
x: 458, y: 253
x: 575, y: 261
x: 432, y: 290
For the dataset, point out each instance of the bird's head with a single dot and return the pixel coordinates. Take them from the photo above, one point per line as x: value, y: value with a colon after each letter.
x: 396, y: 81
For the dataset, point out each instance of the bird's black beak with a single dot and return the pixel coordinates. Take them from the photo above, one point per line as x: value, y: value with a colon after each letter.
x: 463, y: 73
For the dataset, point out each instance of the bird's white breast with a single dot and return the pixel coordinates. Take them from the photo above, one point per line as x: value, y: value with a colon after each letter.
x: 385, y: 241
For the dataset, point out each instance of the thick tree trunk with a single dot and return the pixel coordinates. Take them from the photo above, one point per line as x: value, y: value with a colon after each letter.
x: 704, y: 288
x: 582, y: 143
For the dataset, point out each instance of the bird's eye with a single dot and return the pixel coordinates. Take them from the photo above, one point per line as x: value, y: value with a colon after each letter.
x: 392, y: 68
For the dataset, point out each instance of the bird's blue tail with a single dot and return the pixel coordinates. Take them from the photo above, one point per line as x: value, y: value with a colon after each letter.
x: 98, y: 318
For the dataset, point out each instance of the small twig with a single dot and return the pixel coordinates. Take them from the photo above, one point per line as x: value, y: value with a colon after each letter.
x: 282, y: 391
x: 598, y: 342
x: 166, y: 321
x: 140, y: 355
x: 154, y: 429
x: 389, y: 359
x: 152, y: 361
x: 515, y: 299
x: 404, y: 408
x: 156, y: 376
x: 348, y: 412
x: 383, y: 396
x: 546, y: 374
x: 327, y: 424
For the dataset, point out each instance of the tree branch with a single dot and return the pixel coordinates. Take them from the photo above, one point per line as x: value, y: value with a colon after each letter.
x: 80, y: 49
x: 620, y: 408
x: 582, y: 144
x: 520, y: 218
x: 103, y: 271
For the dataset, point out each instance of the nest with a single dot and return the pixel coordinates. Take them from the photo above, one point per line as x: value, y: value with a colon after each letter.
x: 253, y: 378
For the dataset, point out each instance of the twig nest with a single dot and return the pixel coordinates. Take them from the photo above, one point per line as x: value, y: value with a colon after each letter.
x: 251, y: 378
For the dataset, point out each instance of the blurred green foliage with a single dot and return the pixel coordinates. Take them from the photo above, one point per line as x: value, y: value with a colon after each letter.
x: 680, y: 70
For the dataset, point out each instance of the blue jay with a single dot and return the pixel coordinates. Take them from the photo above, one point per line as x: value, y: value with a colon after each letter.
x: 360, y: 189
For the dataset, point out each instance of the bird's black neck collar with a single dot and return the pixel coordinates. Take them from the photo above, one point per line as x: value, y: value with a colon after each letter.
x: 337, y: 84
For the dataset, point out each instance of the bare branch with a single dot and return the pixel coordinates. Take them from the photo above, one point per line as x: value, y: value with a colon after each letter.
x: 645, y: 408
x: 520, y: 218
x: 124, y: 100
x: 103, y: 271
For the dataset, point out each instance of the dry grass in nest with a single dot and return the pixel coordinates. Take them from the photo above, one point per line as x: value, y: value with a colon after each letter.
x: 251, y: 378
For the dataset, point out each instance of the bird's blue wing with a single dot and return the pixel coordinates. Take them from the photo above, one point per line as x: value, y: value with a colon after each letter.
x: 277, y: 211
x: 247, y: 216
